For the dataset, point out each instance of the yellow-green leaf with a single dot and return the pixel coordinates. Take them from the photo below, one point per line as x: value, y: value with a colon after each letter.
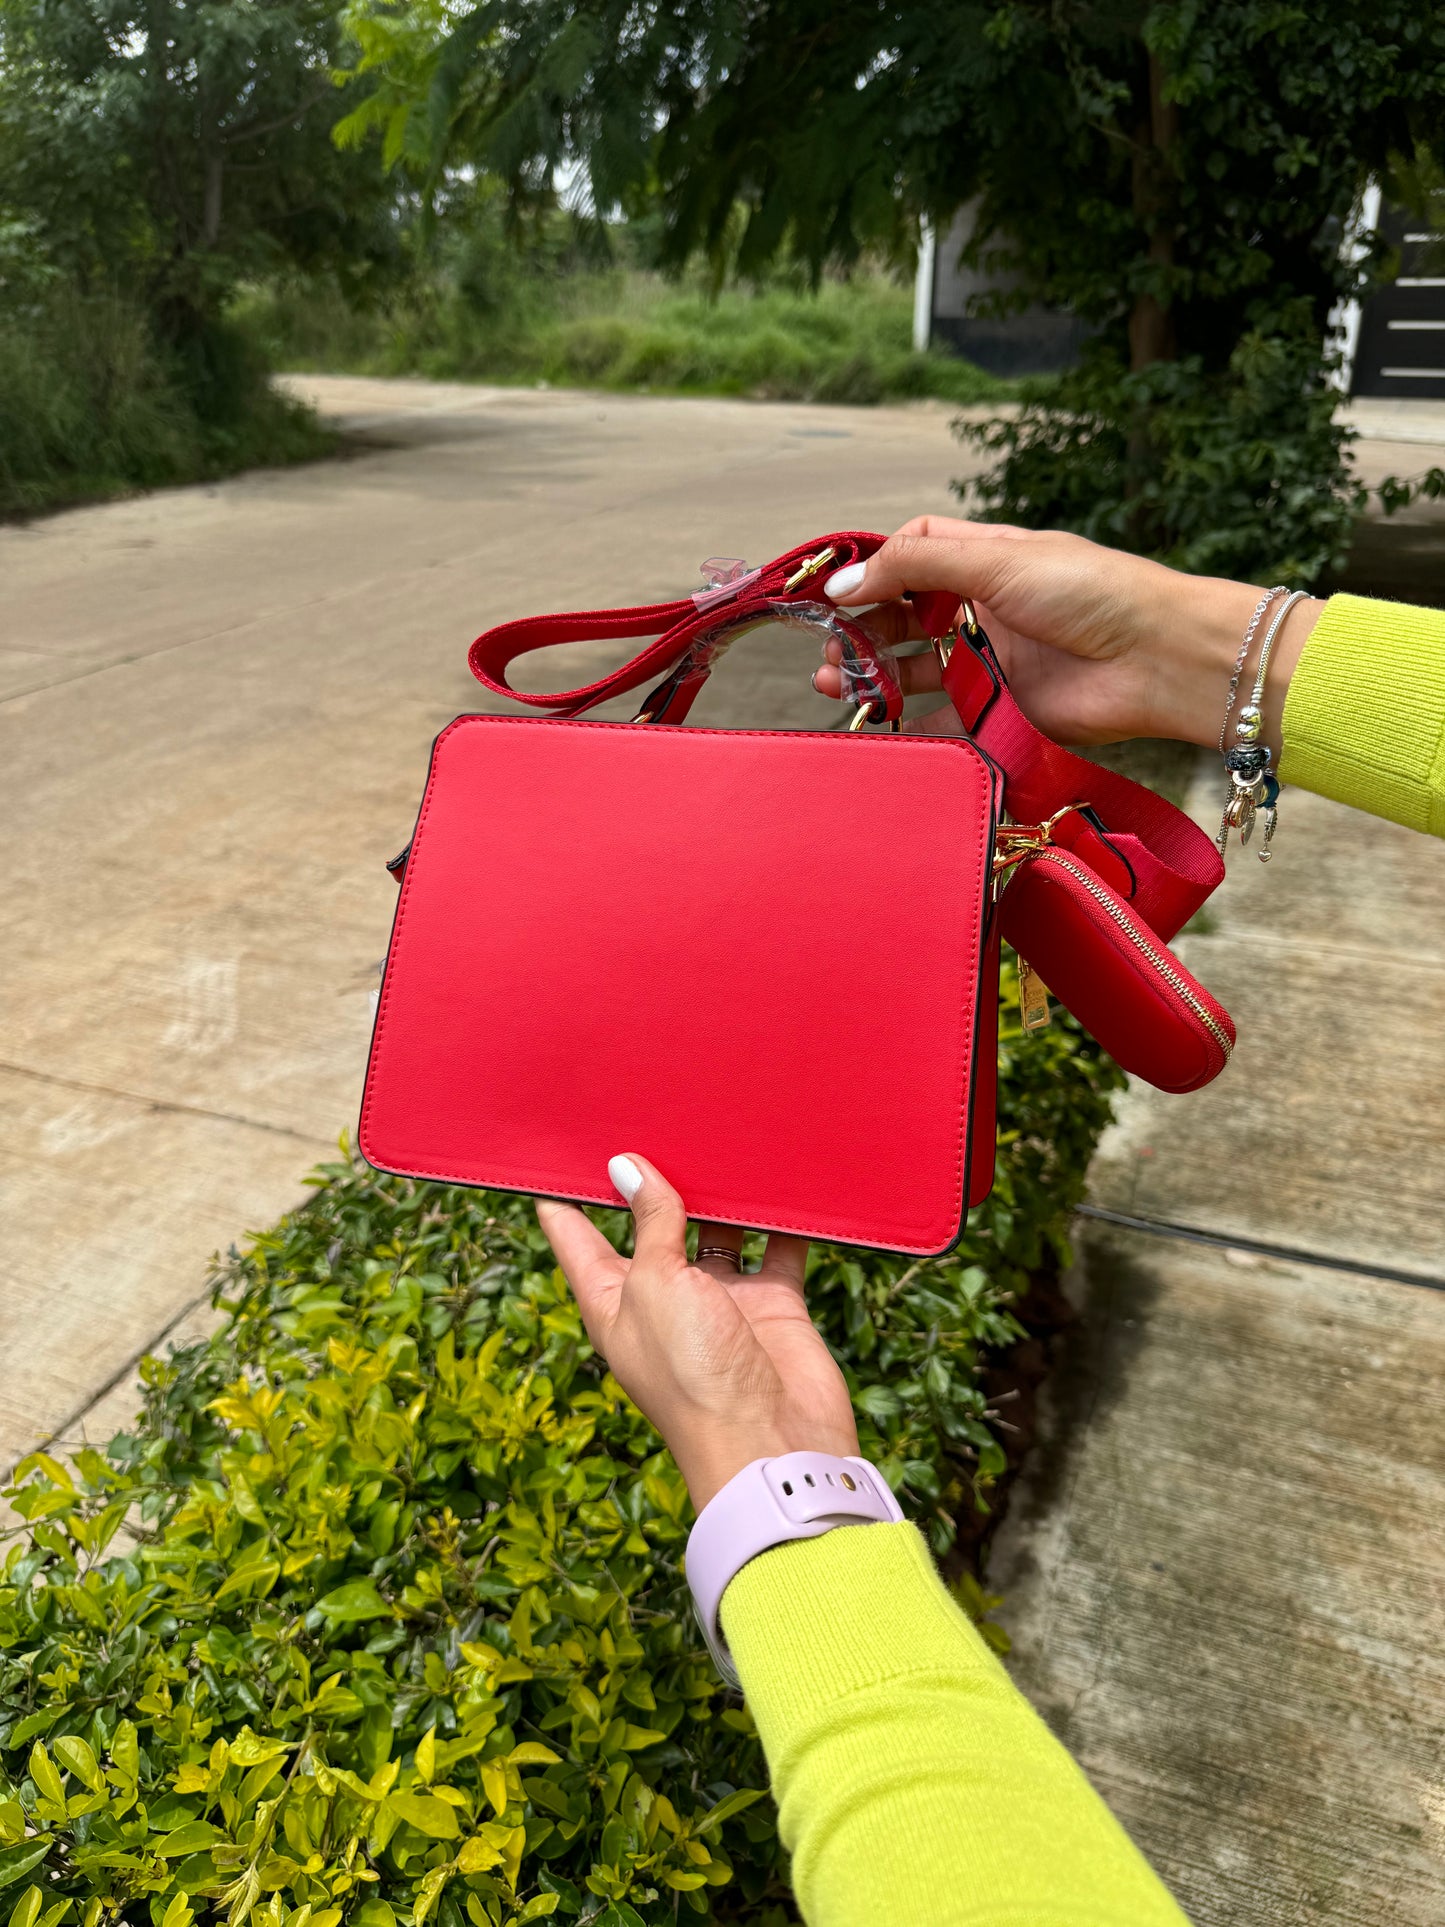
x: 250, y: 1749
x: 125, y: 1751
x: 26, y: 1910
x: 43, y: 1773
x: 194, y: 1837
x: 494, y: 1784
x: 16, y: 1862
x: 476, y: 1856
x: 432, y: 1817
x: 354, y: 1602
x: 76, y: 1757
x: 259, y: 1577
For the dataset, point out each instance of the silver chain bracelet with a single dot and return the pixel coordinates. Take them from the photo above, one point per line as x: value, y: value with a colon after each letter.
x: 1239, y: 661
x: 1254, y: 787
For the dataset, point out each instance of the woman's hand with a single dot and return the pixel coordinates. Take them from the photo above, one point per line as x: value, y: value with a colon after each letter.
x: 729, y: 1368
x: 1097, y: 645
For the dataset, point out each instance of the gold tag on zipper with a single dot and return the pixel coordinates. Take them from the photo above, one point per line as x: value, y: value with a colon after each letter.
x: 1035, y: 1012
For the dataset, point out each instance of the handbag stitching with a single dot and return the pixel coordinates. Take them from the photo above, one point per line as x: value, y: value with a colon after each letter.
x: 965, y: 1031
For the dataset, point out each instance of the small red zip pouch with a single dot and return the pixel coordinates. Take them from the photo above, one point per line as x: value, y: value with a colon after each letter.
x: 1072, y: 930
x: 766, y: 959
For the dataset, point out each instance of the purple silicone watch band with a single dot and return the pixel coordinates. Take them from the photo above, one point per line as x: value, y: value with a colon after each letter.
x: 798, y: 1496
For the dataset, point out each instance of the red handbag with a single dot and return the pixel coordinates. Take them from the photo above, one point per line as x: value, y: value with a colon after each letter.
x: 766, y: 959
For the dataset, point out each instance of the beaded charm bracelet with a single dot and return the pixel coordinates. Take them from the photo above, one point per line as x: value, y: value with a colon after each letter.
x: 1254, y: 787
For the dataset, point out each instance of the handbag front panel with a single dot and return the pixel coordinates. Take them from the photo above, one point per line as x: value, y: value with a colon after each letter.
x: 753, y: 956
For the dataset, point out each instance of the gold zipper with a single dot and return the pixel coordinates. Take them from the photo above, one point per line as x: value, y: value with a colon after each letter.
x: 1166, y: 971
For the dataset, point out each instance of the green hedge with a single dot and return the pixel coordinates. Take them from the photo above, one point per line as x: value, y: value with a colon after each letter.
x: 377, y: 1615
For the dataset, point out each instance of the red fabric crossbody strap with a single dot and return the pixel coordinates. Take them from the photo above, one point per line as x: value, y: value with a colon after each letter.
x: 674, y: 624
x: 1139, y: 844
x: 1154, y: 855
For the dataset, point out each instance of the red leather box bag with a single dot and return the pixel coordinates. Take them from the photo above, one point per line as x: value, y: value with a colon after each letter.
x: 766, y: 959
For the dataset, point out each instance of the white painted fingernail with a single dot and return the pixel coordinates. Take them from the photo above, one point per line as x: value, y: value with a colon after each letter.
x: 844, y: 581
x: 626, y: 1176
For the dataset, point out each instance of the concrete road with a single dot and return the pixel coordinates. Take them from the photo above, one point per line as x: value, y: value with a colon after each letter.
x: 216, y: 706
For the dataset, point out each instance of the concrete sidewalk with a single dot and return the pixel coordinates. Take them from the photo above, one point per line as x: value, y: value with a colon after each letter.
x: 1224, y: 1573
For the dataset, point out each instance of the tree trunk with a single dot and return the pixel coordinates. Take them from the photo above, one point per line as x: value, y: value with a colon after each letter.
x: 211, y: 215
x: 1151, y: 322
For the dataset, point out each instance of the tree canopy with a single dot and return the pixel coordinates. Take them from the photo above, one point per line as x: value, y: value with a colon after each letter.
x: 1178, y: 174
x: 166, y: 146
x: 1199, y: 157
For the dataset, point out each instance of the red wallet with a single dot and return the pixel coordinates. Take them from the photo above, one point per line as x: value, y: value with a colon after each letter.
x: 766, y: 959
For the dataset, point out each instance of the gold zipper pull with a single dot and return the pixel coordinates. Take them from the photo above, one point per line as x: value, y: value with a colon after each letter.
x: 1035, y: 1011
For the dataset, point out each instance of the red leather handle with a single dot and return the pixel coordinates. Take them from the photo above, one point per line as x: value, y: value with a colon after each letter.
x: 1150, y: 852
x: 674, y: 624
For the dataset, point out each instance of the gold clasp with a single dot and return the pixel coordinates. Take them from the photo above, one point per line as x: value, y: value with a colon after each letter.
x: 946, y: 644
x: 810, y: 567
x: 1013, y: 842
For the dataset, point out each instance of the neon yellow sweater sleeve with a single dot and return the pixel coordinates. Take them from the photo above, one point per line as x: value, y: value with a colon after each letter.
x: 915, y: 1785
x: 1364, y: 720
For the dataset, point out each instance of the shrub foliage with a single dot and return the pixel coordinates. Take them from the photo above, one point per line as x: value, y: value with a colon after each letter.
x: 1239, y: 472
x: 378, y: 1614
x: 481, y: 312
x: 91, y: 404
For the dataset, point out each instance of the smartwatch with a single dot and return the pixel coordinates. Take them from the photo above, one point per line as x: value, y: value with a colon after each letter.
x: 798, y: 1496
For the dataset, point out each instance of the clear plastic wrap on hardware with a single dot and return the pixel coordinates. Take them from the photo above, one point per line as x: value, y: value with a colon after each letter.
x: 725, y: 577
x: 869, y: 666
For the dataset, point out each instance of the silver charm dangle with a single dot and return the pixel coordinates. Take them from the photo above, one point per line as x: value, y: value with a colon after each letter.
x: 1270, y: 814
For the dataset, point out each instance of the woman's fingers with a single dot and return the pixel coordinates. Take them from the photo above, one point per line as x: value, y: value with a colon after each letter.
x: 657, y: 1210
x: 590, y: 1265
x: 719, y: 1237
x: 786, y: 1260
x: 971, y: 564
x: 915, y: 673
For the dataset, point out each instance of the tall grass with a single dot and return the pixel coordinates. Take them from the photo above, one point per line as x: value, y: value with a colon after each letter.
x: 91, y: 406
x: 624, y: 329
